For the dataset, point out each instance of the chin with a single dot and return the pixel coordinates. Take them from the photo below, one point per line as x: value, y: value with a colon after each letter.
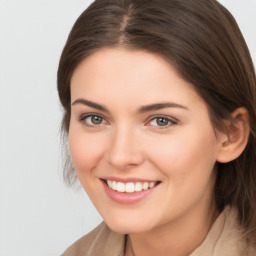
x: 130, y: 226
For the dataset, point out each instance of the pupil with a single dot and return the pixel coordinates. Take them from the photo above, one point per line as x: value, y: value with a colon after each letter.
x: 162, y: 121
x: 96, y: 120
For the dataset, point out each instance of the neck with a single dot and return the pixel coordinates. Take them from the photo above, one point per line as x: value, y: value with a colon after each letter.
x: 179, y: 238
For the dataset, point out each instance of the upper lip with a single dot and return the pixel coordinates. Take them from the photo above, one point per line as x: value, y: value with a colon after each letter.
x: 128, y: 179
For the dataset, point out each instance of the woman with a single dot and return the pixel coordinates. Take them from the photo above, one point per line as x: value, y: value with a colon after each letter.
x: 159, y: 105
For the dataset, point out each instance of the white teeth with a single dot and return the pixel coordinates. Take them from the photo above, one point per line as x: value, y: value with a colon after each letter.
x: 120, y: 187
x: 145, y: 185
x: 114, y: 185
x: 130, y: 187
x: 138, y: 186
x: 152, y: 184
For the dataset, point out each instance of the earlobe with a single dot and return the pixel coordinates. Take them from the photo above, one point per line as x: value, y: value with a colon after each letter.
x: 233, y: 143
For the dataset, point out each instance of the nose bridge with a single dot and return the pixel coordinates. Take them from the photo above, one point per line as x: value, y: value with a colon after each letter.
x: 124, y: 150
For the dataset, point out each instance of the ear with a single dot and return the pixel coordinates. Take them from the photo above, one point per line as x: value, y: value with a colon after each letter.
x: 233, y: 143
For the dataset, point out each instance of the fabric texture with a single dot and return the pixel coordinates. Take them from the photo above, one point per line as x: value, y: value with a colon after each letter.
x: 223, y: 239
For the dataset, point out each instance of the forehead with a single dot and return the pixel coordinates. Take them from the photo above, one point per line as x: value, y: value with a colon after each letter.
x: 120, y: 74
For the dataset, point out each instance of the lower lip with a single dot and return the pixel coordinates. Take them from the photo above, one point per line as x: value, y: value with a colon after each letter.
x: 127, y: 198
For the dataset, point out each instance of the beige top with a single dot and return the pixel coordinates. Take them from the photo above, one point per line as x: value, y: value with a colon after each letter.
x: 223, y: 239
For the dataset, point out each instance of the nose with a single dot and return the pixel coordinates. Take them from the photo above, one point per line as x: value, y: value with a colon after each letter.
x: 125, y: 150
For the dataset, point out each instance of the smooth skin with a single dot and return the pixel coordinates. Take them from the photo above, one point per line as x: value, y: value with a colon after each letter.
x: 133, y: 116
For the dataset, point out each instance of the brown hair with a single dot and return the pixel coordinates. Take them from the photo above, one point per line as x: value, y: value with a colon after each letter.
x: 201, y: 39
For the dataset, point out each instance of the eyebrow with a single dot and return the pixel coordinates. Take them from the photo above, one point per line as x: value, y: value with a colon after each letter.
x: 158, y: 106
x: 142, y: 109
x: 90, y: 104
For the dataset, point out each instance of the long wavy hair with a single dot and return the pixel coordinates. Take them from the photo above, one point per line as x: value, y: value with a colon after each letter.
x: 202, y: 40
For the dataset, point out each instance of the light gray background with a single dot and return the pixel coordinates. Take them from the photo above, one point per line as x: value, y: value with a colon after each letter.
x: 39, y: 216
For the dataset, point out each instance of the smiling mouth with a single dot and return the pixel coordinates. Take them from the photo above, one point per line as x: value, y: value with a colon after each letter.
x: 130, y: 187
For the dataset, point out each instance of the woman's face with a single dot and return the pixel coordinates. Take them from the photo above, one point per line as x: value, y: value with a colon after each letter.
x: 138, y: 126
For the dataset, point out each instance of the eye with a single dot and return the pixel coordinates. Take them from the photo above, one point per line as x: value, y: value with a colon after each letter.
x: 162, y: 121
x: 93, y: 120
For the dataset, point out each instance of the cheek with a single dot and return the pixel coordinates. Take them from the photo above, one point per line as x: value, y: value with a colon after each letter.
x: 187, y: 164
x: 185, y: 154
x: 85, y: 150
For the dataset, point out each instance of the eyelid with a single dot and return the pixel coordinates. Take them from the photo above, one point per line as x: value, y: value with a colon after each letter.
x: 173, y: 121
x: 84, y: 116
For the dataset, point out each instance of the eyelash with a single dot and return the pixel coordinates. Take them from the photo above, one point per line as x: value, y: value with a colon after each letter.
x: 170, y: 121
x: 84, y: 117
